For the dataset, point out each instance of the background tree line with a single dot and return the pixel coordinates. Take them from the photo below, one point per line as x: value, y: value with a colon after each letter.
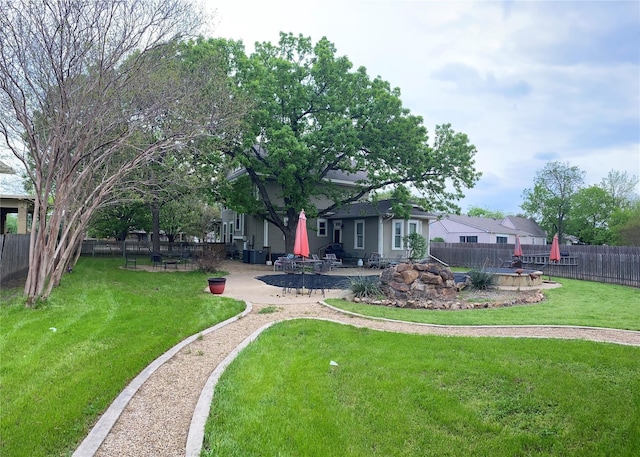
x: 606, y: 213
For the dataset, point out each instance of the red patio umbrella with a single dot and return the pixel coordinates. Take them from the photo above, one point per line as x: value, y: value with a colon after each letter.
x: 301, y: 245
x: 554, y: 255
x: 517, y: 251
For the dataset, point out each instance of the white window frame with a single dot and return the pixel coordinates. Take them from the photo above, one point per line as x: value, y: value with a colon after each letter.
x: 416, y: 224
x: 230, y: 232
x: 358, y: 239
x: 239, y: 223
x: 505, y: 237
x: 323, y: 227
x: 397, y: 242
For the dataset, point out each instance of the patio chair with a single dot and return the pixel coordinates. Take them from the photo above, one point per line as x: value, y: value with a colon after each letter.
x: 130, y: 261
x: 156, y: 260
x: 185, y: 258
x: 278, y: 264
x: 335, y: 262
x: 373, y: 261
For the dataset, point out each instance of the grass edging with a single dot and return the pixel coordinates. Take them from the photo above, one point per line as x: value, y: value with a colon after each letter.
x: 97, y: 435
x: 484, y: 326
x: 195, y: 437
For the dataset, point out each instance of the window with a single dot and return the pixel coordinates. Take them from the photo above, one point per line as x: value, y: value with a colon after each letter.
x: 413, y: 227
x: 468, y: 239
x: 224, y: 232
x: 398, y: 234
x: 322, y: 227
x: 230, y: 232
x: 500, y: 239
x: 239, y: 223
x: 359, y: 235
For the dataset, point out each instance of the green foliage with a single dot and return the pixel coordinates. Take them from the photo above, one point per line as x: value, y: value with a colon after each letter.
x: 625, y: 225
x: 118, y: 221
x: 590, y: 213
x: 417, y: 245
x: 476, y: 211
x: 438, y: 239
x: 365, y: 286
x: 314, y: 116
x: 481, y: 279
x: 620, y: 186
x: 11, y: 223
x: 549, y: 202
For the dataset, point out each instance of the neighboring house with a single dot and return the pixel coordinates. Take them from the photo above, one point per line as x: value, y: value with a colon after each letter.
x: 12, y: 200
x: 469, y: 229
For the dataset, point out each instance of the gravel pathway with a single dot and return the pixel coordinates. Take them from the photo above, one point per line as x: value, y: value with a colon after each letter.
x: 152, y: 417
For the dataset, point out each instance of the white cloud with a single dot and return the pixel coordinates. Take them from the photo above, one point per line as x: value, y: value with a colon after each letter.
x: 528, y: 82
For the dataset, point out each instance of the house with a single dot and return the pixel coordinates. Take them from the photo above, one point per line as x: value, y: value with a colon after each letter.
x: 13, y: 200
x: 470, y: 229
x: 367, y: 227
x: 360, y: 228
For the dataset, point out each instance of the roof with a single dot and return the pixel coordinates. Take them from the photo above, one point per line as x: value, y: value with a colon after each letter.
x: 379, y: 208
x: 527, y: 225
x: 512, y: 225
x: 6, y: 169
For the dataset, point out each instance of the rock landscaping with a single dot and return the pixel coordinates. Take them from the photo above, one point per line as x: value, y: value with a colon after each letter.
x: 432, y: 286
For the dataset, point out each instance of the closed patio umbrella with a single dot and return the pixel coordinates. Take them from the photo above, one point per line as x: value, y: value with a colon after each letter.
x: 554, y: 255
x: 301, y: 244
x: 517, y: 251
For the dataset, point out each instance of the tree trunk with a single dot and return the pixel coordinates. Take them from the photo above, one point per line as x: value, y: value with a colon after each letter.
x: 155, y: 229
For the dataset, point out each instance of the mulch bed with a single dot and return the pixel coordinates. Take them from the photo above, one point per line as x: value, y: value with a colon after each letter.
x: 311, y: 281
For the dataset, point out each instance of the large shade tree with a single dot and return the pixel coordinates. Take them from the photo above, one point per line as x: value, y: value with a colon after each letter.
x: 549, y: 201
x: 89, y: 93
x: 591, y: 210
x: 315, y: 116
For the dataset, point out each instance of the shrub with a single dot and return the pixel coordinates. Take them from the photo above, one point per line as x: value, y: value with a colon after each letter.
x: 417, y: 246
x: 365, y: 286
x: 481, y: 279
x: 212, y: 256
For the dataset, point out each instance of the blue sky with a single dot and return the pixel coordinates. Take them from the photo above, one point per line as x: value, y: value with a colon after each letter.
x: 529, y: 82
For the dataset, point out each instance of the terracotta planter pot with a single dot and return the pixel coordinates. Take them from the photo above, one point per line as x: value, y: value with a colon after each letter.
x: 216, y: 285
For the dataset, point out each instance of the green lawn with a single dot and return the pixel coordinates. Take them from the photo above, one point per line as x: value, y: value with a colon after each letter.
x: 109, y: 324
x: 575, y: 303
x: 409, y: 395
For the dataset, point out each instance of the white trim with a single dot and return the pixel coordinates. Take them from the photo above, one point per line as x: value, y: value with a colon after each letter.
x: 326, y: 227
x: 265, y: 233
x: 355, y: 234
x: 395, y: 222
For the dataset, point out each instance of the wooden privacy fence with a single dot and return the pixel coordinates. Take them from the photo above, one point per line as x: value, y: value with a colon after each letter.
x: 608, y: 264
x: 136, y: 248
x: 14, y: 257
